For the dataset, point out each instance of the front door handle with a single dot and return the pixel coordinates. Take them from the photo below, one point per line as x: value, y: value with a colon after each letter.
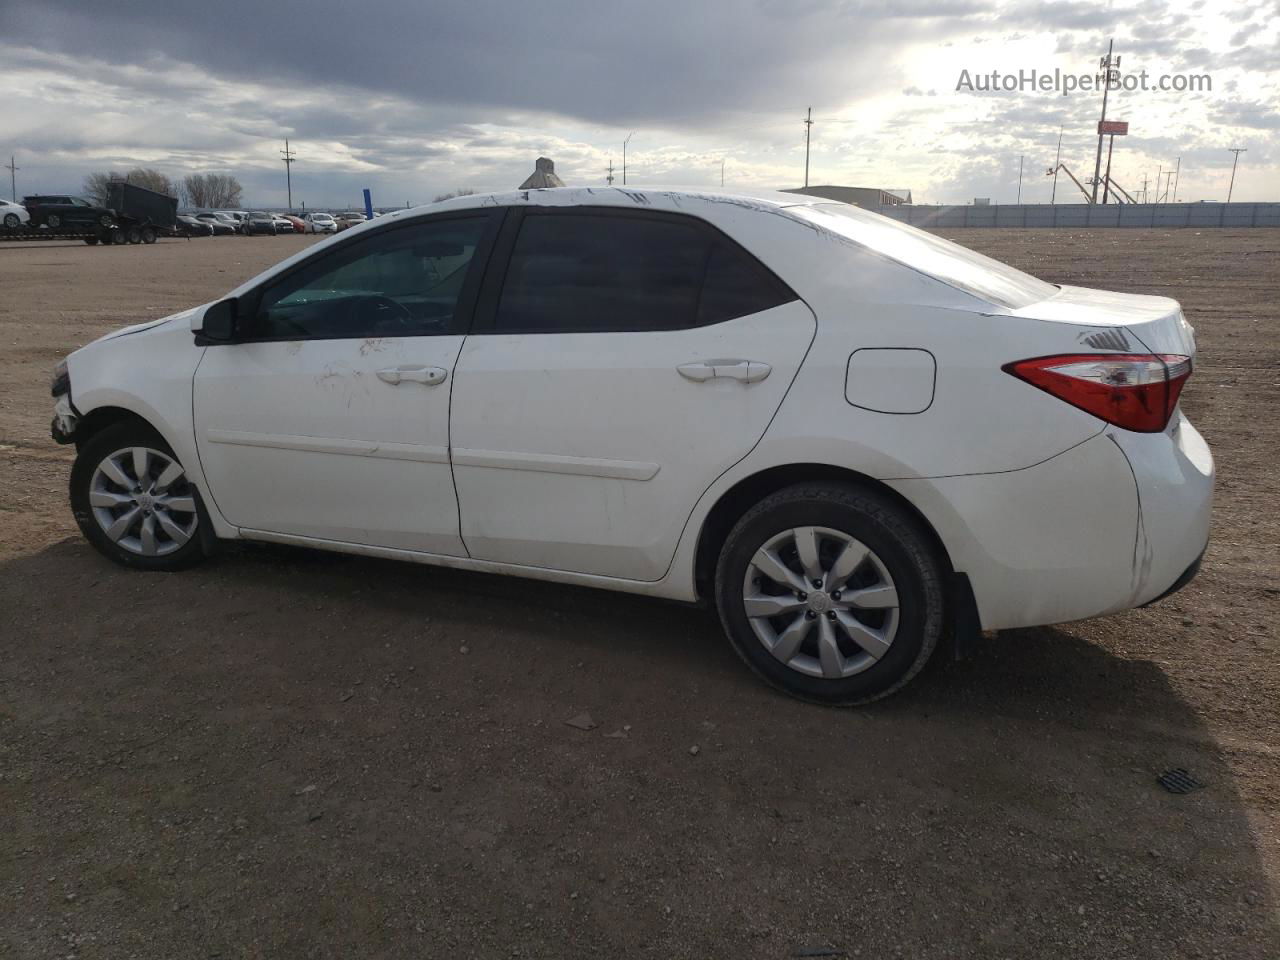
x: 428, y: 375
x: 745, y: 371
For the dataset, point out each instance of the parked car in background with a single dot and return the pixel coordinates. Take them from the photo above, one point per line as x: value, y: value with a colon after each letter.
x: 258, y: 222
x: 13, y: 214
x: 192, y: 227
x: 320, y: 223
x: 61, y: 210
x: 220, y: 225
x: 299, y: 225
x: 844, y: 433
x: 349, y: 219
x: 283, y: 224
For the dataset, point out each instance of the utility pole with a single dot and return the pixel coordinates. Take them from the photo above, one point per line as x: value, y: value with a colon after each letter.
x: 13, y: 183
x: 1159, y: 174
x: 1057, y: 162
x: 1020, y: 159
x: 1234, y: 161
x: 288, y: 156
x: 1108, y: 64
x: 1106, y: 190
x: 722, y: 171
x: 1176, y: 170
x: 1145, y: 181
x: 808, y: 125
x: 624, y: 156
x: 609, y: 179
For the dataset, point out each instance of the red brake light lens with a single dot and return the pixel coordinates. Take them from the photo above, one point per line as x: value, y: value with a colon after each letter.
x: 1137, y: 391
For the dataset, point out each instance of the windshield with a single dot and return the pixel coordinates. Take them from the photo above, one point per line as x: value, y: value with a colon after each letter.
x: 949, y: 262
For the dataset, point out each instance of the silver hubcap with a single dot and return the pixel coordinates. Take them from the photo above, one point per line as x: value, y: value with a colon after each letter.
x: 143, y: 502
x: 821, y: 602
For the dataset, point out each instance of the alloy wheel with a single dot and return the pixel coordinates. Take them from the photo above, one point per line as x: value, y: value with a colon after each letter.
x: 143, y: 502
x: 821, y: 602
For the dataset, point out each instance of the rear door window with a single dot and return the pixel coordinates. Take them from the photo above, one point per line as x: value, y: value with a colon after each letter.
x: 588, y: 272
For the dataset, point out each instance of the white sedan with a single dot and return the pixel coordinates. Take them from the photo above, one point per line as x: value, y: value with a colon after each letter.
x: 320, y: 223
x: 847, y: 435
x: 13, y: 214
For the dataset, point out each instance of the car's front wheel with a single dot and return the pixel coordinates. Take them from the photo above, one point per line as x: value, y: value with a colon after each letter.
x: 134, y: 501
x: 831, y: 593
x: 12, y: 221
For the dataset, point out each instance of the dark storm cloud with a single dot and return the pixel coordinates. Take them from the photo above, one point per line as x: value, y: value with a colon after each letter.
x: 667, y: 61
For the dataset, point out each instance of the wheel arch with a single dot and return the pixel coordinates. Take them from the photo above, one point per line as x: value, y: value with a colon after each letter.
x: 750, y: 490
x: 98, y: 419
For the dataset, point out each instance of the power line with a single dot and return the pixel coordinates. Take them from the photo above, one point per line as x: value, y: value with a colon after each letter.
x: 289, y: 156
x: 808, y: 125
x: 1237, y: 151
x: 1109, y: 65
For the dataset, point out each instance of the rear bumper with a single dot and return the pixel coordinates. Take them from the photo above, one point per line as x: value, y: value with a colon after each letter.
x: 1174, y: 473
x: 1188, y: 575
x: 1113, y: 523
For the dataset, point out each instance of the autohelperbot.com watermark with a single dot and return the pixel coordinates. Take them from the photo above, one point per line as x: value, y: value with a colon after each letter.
x: 1065, y: 84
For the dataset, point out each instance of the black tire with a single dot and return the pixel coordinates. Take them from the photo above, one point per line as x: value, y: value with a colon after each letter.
x: 116, y: 235
x: 134, y: 235
x: 106, y: 220
x: 148, y: 235
x: 53, y: 221
x: 12, y: 221
x: 894, y: 537
x: 91, y: 241
x: 111, y: 440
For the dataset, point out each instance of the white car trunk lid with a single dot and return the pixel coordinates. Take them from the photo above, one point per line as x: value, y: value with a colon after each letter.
x: 1117, y: 322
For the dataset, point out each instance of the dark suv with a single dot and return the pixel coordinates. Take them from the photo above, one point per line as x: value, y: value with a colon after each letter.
x: 60, y: 210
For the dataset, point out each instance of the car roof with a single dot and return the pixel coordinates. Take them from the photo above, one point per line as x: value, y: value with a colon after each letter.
x: 658, y: 197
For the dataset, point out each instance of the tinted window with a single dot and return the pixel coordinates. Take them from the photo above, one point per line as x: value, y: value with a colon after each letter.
x: 736, y: 285
x: 403, y: 282
x: 596, y: 273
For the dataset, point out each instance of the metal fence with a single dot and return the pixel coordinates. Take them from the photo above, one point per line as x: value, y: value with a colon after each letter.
x: 1090, y: 215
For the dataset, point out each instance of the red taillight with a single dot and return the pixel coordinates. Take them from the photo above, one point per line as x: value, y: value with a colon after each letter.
x: 1137, y: 391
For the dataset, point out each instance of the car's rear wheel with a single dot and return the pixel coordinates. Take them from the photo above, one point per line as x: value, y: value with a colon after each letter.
x: 148, y: 235
x: 134, y: 501
x: 831, y: 593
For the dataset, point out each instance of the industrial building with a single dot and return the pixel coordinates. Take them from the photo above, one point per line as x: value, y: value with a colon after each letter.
x: 869, y: 198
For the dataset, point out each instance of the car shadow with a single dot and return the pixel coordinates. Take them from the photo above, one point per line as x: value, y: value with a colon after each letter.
x: 307, y: 737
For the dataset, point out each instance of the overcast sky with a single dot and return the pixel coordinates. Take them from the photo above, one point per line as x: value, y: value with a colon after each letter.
x: 416, y: 98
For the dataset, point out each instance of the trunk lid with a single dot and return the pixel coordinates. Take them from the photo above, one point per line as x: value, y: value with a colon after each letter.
x: 1116, y: 322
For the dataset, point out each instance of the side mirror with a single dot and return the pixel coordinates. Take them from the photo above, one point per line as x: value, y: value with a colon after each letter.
x: 219, y: 322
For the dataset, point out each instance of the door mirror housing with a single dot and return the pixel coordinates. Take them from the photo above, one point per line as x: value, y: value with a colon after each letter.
x: 218, y: 325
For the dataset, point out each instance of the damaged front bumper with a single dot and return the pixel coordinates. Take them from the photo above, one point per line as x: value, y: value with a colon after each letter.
x: 65, y: 420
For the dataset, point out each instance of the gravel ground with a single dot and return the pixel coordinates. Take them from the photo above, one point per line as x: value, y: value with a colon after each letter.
x: 291, y: 754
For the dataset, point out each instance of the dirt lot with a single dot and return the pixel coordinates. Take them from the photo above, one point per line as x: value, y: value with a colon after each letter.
x: 287, y: 754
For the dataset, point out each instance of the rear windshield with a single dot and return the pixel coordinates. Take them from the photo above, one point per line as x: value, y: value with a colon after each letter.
x: 949, y: 262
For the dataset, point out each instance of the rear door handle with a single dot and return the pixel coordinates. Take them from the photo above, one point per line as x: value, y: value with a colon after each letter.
x: 428, y: 375
x: 746, y: 371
